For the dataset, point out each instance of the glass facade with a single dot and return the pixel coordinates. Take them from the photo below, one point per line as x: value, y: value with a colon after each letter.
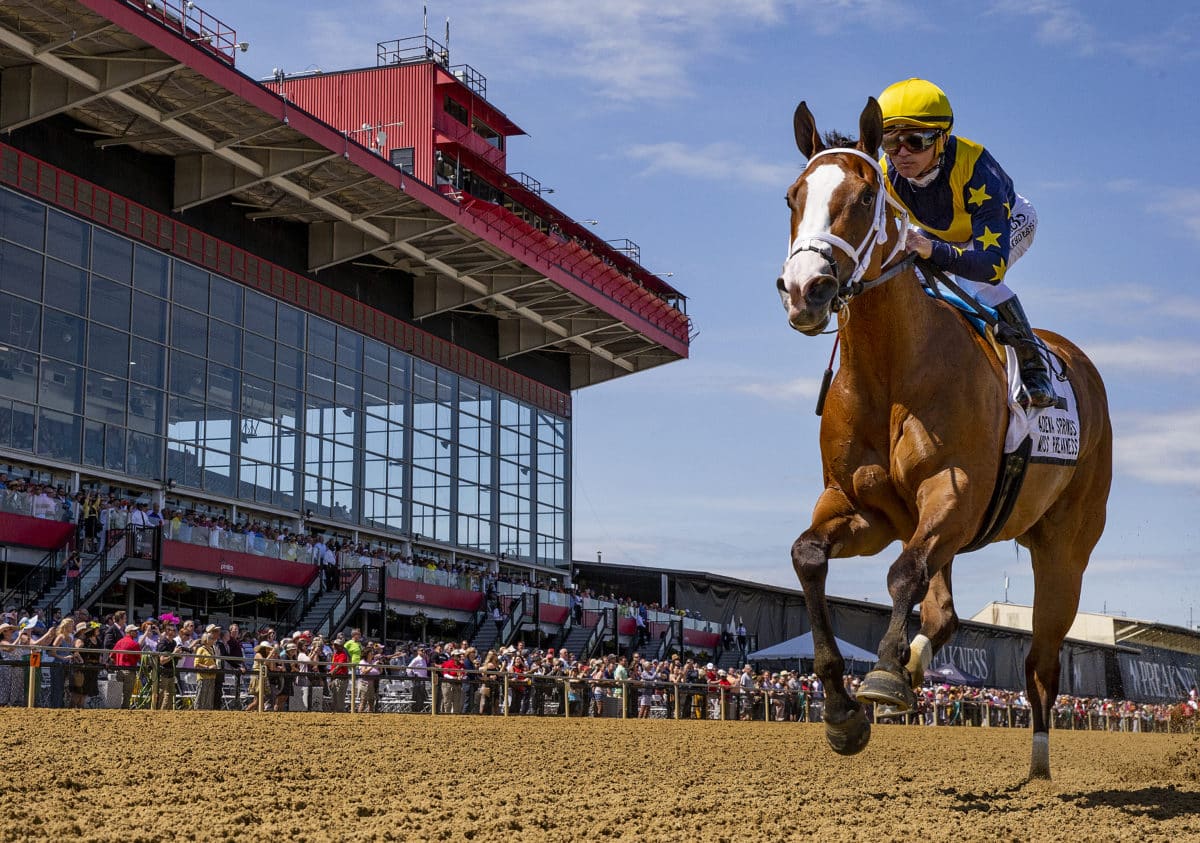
x: 119, y: 357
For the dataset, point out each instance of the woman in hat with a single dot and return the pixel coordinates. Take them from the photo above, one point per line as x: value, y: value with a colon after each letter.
x: 206, y: 672
x: 262, y: 652
x: 86, y: 674
x: 59, y: 656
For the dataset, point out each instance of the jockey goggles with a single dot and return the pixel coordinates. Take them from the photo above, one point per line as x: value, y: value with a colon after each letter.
x: 914, y: 140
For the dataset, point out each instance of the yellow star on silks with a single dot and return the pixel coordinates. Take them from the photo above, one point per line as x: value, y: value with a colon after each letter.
x: 1000, y: 269
x: 989, y: 238
x: 1007, y: 211
x: 978, y: 195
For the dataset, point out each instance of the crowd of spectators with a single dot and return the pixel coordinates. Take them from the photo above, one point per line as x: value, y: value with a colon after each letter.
x: 167, y: 662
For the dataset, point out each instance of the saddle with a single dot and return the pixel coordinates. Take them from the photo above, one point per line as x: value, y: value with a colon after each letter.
x: 1048, y: 435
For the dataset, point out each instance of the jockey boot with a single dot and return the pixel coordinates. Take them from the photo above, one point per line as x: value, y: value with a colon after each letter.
x: 1029, y: 354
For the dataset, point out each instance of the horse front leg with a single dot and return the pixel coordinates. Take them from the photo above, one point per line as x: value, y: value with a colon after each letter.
x: 940, y: 532
x: 837, y: 530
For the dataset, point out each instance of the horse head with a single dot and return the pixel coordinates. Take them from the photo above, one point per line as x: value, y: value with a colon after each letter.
x: 838, y: 201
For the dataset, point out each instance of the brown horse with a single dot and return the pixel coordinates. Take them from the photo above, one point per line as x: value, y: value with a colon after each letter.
x: 911, y: 441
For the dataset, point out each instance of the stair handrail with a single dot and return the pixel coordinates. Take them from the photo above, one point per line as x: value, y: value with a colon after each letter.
x: 136, y: 542
x: 512, y: 624
x: 352, y: 586
x: 114, y: 547
x: 305, y: 600
x: 596, y: 638
x: 34, y: 584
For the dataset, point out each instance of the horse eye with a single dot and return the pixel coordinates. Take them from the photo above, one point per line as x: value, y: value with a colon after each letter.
x: 868, y: 197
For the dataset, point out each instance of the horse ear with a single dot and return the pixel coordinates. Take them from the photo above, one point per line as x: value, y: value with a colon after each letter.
x: 870, y: 128
x: 808, y: 139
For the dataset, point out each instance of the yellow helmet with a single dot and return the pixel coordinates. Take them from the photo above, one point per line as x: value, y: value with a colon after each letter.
x: 916, y: 102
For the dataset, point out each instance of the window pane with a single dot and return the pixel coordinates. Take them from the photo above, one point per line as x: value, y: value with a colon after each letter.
x: 22, y: 220
x: 66, y: 286
x: 321, y: 338
x: 147, y: 361
x: 112, y: 256
x: 290, y: 325
x: 150, y: 318
x: 320, y: 378
x: 20, y: 271
x: 150, y: 271
x: 106, y: 398
x: 62, y: 335
x: 145, y: 455
x: 93, y: 443
x: 225, y: 300
x: 189, y: 286
x: 145, y: 409
x: 258, y: 356
x: 23, y: 417
x: 110, y: 303
x: 259, y: 313
x: 59, y: 435
x: 289, y: 367
x: 223, y: 384
x: 114, y: 448
x: 61, y: 387
x: 375, y: 359
x: 224, y: 343
x: 20, y: 323
x: 187, y: 375
x: 188, y: 331
x: 108, y: 351
x: 67, y: 238
x: 19, y: 374
x: 349, y: 348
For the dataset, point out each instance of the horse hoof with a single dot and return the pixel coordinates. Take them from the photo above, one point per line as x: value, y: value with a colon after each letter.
x: 851, y: 736
x: 880, y: 686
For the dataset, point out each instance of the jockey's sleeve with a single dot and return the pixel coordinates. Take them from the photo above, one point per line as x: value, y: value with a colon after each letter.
x: 986, y: 197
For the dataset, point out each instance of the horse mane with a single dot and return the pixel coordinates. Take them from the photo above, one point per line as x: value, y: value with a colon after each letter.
x: 838, y: 140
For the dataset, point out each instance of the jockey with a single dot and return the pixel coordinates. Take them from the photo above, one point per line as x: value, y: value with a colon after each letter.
x: 975, y: 225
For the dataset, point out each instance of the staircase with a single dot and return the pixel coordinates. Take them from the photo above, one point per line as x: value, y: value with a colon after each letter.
x: 577, y: 639
x: 485, y: 637
x: 320, y: 609
x: 134, y: 548
x: 333, y: 609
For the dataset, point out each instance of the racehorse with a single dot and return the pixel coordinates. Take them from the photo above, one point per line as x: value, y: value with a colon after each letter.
x: 911, y: 440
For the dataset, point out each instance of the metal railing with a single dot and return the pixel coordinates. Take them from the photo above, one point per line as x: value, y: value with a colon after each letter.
x: 353, y: 584
x: 596, y: 639
x: 512, y: 624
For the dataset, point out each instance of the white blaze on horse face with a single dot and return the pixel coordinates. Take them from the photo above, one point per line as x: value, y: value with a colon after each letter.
x: 803, y: 267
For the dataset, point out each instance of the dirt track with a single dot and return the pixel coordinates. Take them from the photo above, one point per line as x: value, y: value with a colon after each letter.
x: 121, y: 776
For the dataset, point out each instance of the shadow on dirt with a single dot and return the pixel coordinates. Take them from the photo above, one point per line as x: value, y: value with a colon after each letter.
x: 1158, y: 803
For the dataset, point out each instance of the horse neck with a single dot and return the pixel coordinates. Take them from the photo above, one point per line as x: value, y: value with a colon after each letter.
x: 887, y: 330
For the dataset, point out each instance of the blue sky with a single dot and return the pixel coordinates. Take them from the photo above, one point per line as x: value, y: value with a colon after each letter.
x: 672, y: 127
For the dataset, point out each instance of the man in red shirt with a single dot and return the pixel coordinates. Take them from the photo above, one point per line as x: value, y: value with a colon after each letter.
x: 452, y: 677
x: 339, y: 675
x: 126, y: 654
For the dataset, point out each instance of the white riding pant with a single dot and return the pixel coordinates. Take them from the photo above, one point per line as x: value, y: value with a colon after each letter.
x: 1022, y: 228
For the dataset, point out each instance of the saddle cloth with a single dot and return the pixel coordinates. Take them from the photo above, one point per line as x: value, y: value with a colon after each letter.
x: 1053, y: 431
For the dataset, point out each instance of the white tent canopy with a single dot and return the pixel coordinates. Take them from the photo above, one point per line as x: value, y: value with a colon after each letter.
x: 801, y: 647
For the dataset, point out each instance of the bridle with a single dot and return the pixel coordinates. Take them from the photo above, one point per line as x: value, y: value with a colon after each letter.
x: 823, y: 243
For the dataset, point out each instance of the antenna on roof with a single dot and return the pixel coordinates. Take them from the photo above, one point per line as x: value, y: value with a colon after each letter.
x: 425, y: 21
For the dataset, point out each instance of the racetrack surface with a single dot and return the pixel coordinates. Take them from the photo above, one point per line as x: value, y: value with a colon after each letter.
x: 141, y: 775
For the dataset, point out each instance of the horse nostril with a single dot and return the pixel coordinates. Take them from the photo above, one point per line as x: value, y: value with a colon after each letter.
x: 820, y: 292
x: 780, y: 285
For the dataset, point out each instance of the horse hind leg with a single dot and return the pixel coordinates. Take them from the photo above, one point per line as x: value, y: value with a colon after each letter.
x: 938, y: 623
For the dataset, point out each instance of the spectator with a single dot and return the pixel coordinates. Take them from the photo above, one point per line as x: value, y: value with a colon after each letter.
x: 167, y: 653
x: 339, y: 676
x: 126, y: 654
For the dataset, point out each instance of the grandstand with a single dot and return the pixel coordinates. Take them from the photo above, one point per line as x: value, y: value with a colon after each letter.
x: 280, y: 327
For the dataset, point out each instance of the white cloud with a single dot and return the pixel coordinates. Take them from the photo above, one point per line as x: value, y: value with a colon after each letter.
x: 1161, y: 448
x: 1149, y: 357
x: 722, y: 162
x: 1182, y: 206
x: 788, y: 390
